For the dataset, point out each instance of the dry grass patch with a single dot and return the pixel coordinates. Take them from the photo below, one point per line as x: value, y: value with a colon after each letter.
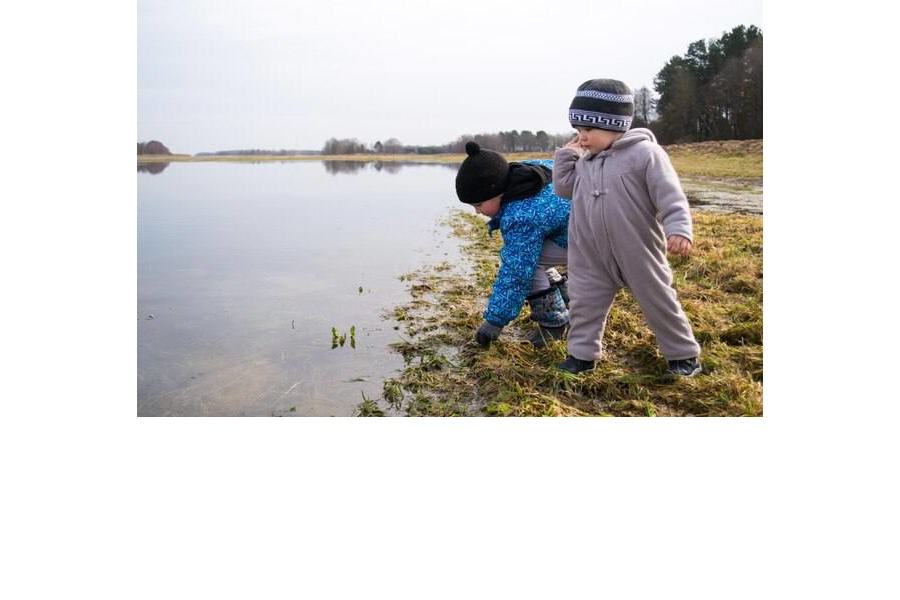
x: 741, y: 159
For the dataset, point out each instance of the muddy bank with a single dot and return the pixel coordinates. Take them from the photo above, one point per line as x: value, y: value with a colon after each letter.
x: 724, y: 196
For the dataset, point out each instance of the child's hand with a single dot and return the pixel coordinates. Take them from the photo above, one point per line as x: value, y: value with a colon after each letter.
x: 487, y: 333
x: 679, y: 245
x: 574, y: 145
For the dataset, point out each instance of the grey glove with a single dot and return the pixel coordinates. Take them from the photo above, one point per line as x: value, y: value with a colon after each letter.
x: 487, y: 333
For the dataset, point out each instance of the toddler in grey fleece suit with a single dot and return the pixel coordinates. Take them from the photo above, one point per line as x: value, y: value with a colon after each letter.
x: 628, y: 209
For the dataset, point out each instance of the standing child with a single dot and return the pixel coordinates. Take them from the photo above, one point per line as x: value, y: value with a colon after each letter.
x: 628, y: 209
x: 519, y: 199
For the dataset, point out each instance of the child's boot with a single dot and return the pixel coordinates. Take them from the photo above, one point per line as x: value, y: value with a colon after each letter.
x: 564, y: 291
x: 688, y: 367
x: 559, y: 281
x: 549, y: 310
x: 575, y: 365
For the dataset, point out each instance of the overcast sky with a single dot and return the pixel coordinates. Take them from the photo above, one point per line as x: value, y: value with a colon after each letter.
x: 223, y: 74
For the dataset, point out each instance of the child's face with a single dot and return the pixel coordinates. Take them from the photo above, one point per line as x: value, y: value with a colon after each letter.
x: 595, y: 140
x: 488, y: 208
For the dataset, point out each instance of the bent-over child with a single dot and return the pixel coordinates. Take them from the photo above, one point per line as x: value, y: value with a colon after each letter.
x: 628, y: 209
x: 518, y: 197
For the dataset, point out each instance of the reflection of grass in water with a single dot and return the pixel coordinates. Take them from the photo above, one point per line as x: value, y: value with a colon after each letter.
x: 447, y: 374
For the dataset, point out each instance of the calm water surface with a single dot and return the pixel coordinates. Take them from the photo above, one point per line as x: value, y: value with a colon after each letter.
x: 243, y: 270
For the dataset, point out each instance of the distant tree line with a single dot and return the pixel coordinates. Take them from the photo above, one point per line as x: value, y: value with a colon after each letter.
x: 512, y: 141
x: 259, y: 152
x: 155, y: 147
x: 152, y: 147
x: 501, y: 141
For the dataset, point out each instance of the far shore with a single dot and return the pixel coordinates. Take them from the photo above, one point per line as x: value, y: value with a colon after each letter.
x: 733, y: 159
x: 419, y: 158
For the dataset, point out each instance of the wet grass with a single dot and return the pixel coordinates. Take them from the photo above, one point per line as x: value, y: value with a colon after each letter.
x: 447, y: 374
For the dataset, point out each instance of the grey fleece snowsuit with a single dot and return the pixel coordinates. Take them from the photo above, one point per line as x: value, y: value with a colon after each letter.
x: 626, y: 201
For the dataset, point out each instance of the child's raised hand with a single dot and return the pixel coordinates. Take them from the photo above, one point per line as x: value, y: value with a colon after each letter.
x: 679, y: 245
x: 574, y: 145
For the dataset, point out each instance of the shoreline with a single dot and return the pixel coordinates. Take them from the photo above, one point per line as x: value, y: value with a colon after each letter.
x: 736, y: 161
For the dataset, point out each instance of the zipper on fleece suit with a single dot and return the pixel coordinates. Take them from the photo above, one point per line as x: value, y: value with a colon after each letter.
x: 600, y: 194
x: 601, y: 191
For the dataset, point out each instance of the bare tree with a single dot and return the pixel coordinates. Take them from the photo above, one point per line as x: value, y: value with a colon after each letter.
x: 644, y: 107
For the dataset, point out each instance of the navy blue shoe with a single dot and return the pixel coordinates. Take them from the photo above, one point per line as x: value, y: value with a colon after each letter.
x: 575, y: 365
x: 687, y: 367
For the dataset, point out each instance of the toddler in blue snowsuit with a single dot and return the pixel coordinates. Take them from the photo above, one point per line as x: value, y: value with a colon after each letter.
x: 519, y: 199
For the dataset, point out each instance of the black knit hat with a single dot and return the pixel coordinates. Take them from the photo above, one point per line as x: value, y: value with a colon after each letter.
x: 602, y: 104
x: 481, y: 176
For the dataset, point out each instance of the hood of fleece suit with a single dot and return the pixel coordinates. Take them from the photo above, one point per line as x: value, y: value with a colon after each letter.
x: 631, y: 137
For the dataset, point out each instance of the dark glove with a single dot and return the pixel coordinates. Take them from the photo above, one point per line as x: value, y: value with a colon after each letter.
x: 486, y: 334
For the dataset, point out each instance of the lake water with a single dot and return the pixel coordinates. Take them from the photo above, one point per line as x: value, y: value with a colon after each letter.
x: 243, y: 270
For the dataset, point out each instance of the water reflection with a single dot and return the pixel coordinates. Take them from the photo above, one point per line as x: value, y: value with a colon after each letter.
x: 387, y: 166
x: 152, y: 168
x: 344, y: 166
x: 331, y: 166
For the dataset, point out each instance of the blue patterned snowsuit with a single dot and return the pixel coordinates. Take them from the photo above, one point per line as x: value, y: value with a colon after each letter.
x: 524, y: 224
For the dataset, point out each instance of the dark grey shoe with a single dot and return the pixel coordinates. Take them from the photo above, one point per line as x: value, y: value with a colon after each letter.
x: 687, y: 367
x: 542, y: 336
x: 575, y: 365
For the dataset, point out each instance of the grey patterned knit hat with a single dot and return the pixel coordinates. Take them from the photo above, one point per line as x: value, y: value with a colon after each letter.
x: 602, y: 104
